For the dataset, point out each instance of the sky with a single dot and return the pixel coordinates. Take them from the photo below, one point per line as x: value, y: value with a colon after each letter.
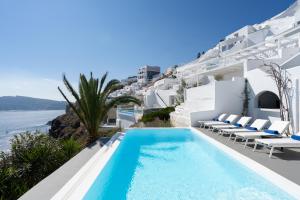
x: 42, y: 39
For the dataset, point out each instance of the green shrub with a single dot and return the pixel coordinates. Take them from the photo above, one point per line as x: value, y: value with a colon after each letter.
x: 32, y: 157
x: 108, y: 132
x: 162, y: 114
x: 70, y: 147
x: 11, y: 183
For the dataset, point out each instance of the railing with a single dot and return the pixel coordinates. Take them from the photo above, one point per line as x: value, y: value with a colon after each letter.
x: 258, y: 51
x: 161, y: 98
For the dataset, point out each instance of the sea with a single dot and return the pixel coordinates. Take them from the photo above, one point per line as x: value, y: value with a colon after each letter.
x: 15, y: 122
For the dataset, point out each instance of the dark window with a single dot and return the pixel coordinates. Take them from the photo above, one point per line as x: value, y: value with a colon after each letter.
x: 268, y: 100
x: 223, y: 48
x: 230, y: 46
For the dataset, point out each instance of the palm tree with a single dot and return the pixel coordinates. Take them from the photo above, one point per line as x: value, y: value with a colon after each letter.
x: 93, y: 101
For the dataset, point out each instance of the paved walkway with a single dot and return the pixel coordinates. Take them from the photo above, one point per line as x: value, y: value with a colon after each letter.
x: 285, y: 163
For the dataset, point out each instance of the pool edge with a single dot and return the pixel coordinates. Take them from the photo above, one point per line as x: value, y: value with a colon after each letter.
x: 88, y: 173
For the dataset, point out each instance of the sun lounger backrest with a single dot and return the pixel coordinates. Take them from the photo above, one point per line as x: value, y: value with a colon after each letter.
x: 244, y: 121
x: 222, y: 117
x: 259, y: 124
x: 232, y: 118
x: 279, y: 126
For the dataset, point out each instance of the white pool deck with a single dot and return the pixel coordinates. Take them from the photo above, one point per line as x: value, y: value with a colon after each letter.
x: 72, y: 180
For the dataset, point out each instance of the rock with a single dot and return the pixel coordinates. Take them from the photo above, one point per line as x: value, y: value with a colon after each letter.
x: 67, y: 125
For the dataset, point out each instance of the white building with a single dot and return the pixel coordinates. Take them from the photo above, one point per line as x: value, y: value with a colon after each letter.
x: 161, y: 94
x: 147, y: 73
x: 129, y: 80
x: 216, y: 80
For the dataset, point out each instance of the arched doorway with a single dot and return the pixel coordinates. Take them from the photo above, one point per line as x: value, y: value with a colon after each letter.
x: 268, y: 100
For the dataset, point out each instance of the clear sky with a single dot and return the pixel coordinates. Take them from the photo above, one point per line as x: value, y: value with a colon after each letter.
x: 40, y: 40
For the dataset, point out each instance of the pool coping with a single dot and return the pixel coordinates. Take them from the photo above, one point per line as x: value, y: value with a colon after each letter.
x: 86, y: 176
x: 88, y: 173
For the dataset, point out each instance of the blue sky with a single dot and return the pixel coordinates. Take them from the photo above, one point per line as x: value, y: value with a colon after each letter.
x: 40, y: 40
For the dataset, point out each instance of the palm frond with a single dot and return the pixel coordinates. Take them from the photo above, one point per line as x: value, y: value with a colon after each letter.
x: 92, y: 100
x: 102, y: 82
x: 77, y: 112
x: 122, y: 100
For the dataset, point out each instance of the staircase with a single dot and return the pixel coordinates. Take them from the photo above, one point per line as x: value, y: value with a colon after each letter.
x: 160, y: 99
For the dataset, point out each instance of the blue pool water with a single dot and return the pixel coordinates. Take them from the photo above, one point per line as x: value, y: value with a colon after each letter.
x: 176, y: 164
x: 129, y: 112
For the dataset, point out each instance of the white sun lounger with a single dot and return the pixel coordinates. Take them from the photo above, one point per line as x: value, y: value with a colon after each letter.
x: 221, y: 118
x: 230, y: 120
x: 241, y: 123
x: 290, y: 142
x: 275, y: 130
x: 257, y: 125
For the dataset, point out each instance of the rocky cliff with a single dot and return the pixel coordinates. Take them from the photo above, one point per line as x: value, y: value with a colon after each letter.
x: 67, y: 125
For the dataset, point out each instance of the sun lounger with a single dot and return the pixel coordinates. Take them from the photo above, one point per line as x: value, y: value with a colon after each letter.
x: 275, y: 130
x: 289, y: 142
x: 257, y: 125
x: 221, y: 118
x: 241, y: 123
x: 230, y: 120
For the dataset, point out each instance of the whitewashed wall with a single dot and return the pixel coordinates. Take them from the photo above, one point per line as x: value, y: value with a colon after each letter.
x: 206, y: 102
x: 201, y: 98
x: 295, y: 76
x: 259, y: 81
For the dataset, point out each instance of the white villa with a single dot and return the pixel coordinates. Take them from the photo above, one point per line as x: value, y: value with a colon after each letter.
x: 216, y: 80
x: 241, y: 56
x: 161, y: 94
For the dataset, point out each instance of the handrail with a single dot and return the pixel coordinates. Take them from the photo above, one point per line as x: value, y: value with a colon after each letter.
x: 160, y: 98
x: 194, y: 63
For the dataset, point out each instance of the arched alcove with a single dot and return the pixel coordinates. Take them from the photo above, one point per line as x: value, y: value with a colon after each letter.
x: 268, y: 100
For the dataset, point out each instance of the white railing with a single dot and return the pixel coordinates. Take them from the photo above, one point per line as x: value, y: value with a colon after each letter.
x: 265, y: 50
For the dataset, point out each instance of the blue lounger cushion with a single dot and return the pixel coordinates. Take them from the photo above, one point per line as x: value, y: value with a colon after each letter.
x: 296, y: 137
x: 226, y: 121
x: 251, y: 128
x: 271, y: 132
x: 238, y: 125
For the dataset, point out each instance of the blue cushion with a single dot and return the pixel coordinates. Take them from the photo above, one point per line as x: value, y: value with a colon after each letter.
x: 251, y: 128
x: 238, y: 125
x: 215, y: 119
x: 226, y: 121
x: 296, y: 137
x: 271, y: 132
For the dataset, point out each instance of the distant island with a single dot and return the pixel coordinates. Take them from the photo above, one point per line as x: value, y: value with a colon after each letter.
x: 29, y: 103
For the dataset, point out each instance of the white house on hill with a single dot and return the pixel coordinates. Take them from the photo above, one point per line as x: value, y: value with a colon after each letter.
x: 217, y: 78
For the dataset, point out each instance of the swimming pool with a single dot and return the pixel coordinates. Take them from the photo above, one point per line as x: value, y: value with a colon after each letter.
x: 129, y: 112
x: 176, y: 164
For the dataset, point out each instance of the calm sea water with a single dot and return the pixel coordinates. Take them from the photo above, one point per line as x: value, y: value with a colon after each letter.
x: 14, y: 122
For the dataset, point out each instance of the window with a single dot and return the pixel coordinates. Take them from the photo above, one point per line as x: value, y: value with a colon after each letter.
x: 268, y: 100
x: 223, y: 48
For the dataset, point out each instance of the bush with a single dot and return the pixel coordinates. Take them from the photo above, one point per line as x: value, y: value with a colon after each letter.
x: 32, y: 157
x: 70, y: 147
x: 162, y: 114
x: 156, y: 123
x: 108, y: 132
